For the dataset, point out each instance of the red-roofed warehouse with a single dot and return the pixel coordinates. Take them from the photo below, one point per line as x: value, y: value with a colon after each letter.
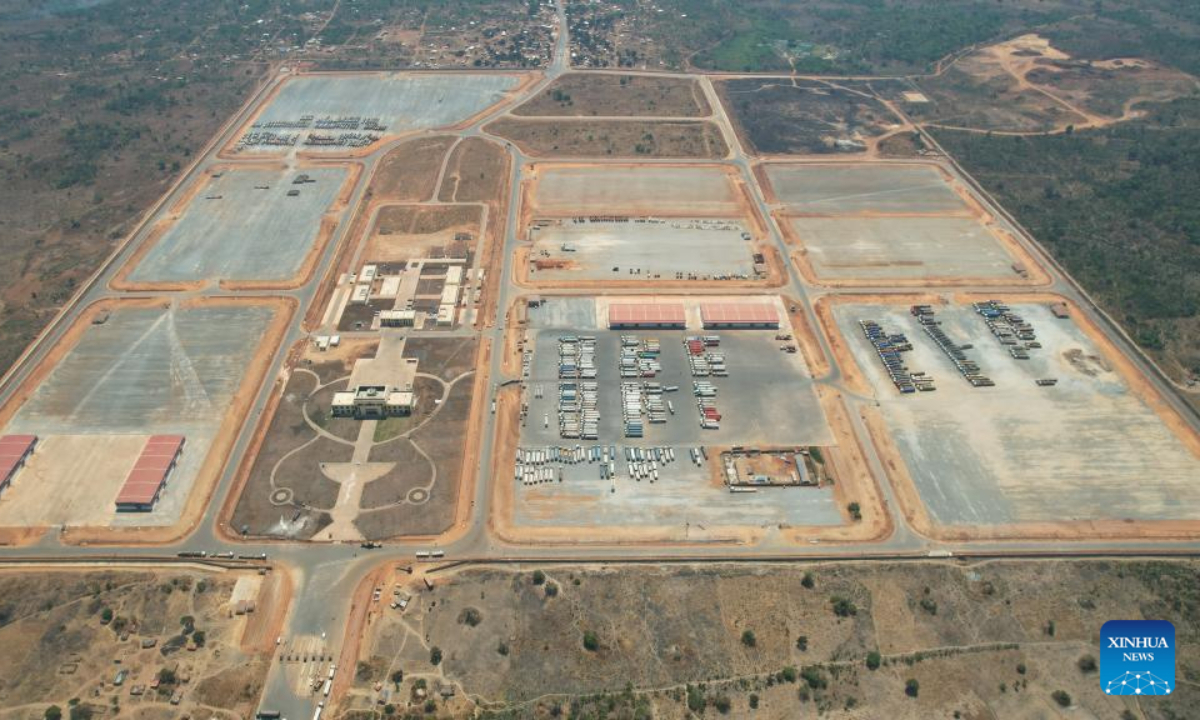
x: 149, y: 475
x: 646, y: 315
x: 739, y: 315
x: 13, y: 451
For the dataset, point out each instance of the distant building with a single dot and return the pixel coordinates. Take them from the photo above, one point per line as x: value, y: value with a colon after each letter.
x: 646, y: 315
x: 739, y: 315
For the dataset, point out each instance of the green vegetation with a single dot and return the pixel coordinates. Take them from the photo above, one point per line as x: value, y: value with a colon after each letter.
x: 435, y: 656
x: 591, y: 643
x: 1062, y: 698
x: 912, y: 688
x: 748, y: 639
x: 843, y: 607
x: 873, y: 660
x: 1119, y: 208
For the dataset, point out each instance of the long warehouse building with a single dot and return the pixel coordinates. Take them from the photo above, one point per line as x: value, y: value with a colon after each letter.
x: 14, y: 450
x: 739, y: 315
x: 148, y: 477
x: 646, y: 315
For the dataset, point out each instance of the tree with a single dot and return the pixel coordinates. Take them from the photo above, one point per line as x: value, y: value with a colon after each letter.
x: 722, y: 704
x: 106, y: 616
x: 188, y: 623
x: 855, y: 511
x: 1087, y: 664
x: 807, y: 581
x: 53, y: 712
x: 788, y: 674
x: 199, y: 637
x: 843, y: 607
x: 813, y: 676
x: 753, y: 701
x: 470, y: 617
x: 748, y: 638
x: 591, y: 643
x: 435, y: 655
x: 802, y: 643
x: 912, y: 688
x: 873, y: 660
x: 551, y: 589
x: 397, y: 678
x: 1062, y: 698
x: 166, y: 676
x: 539, y: 577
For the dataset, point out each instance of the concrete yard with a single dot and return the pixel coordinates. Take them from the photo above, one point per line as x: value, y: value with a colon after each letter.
x: 146, y: 370
x: 841, y: 189
x: 754, y: 414
x: 658, y: 247
x: 847, y: 248
x: 402, y: 102
x: 233, y: 231
x: 649, y: 190
x: 1088, y: 448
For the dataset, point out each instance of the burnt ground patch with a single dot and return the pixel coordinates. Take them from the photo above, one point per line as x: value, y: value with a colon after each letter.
x: 801, y: 117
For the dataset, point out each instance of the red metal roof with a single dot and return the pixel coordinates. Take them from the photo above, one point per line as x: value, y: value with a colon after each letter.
x: 645, y: 313
x: 13, y: 449
x: 150, y: 471
x: 739, y: 313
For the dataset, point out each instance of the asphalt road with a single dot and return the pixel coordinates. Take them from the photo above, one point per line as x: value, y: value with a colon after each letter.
x: 325, y: 574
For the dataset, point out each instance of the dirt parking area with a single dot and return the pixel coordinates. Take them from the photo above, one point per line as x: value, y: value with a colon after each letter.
x: 407, y: 232
x: 577, y: 95
x: 123, y: 640
x: 613, y: 138
x: 988, y: 639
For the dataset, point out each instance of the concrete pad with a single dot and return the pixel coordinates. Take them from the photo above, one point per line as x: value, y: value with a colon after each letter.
x: 879, y: 188
x: 902, y: 248
x: 635, y: 190
x: 232, y: 231
x: 705, y: 248
x: 1085, y: 449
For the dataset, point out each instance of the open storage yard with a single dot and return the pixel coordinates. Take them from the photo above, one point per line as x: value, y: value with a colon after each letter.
x: 356, y: 111
x: 245, y: 225
x: 151, y: 367
x: 647, y: 462
x: 625, y: 225
x: 1066, y: 442
x: 148, y: 643
x: 872, y: 225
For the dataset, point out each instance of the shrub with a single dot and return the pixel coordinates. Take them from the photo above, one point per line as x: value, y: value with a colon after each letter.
x: 106, y: 616
x: 591, y: 643
x: 912, y: 688
x: 1062, y: 698
x: 855, y: 511
x: 929, y: 605
x: 842, y: 607
x: 551, y: 589
x: 788, y: 674
x: 435, y: 656
x: 753, y: 701
x: 470, y: 617
x: 814, y: 677
x: 873, y: 660
x: 539, y: 577
x: 807, y: 581
x: 1087, y: 664
x: 722, y: 704
x: 802, y: 643
x: 502, y: 648
x: 53, y: 712
x: 748, y: 638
